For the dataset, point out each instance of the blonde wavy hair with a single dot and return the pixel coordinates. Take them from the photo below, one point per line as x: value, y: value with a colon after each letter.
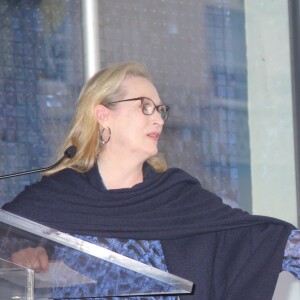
x: 102, y: 88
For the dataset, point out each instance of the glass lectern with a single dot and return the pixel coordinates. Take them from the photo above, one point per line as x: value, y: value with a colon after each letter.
x: 77, y: 269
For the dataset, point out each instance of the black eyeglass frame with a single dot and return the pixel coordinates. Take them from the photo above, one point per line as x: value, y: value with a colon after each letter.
x: 156, y: 107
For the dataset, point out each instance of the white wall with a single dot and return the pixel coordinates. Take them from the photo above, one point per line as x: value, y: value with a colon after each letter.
x: 270, y: 119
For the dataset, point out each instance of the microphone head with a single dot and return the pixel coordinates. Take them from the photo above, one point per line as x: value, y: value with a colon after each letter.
x: 70, y: 151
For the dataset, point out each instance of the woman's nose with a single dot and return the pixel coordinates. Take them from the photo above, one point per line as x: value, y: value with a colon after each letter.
x: 158, y: 118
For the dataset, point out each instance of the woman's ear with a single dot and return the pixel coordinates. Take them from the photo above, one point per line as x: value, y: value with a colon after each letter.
x: 101, y: 113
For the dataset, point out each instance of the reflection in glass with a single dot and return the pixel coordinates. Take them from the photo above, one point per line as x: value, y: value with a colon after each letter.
x: 78, y: 268
x: 41, y: 75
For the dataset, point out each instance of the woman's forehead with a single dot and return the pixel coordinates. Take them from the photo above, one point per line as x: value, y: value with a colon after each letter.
x: 137, y: 83
x: 138, y: 87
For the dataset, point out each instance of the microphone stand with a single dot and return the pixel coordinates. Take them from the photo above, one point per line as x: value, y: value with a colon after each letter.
x: 69, y: 153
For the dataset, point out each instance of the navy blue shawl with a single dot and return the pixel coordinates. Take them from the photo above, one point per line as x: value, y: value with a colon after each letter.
x: 226, y: 252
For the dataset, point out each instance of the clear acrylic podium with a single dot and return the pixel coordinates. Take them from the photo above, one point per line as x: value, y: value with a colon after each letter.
x: 77, y: 269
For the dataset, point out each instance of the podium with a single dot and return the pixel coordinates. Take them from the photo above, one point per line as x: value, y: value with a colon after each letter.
x: 78, y: 269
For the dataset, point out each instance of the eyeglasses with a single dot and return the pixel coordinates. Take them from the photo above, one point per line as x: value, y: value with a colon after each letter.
x: 149, y: 107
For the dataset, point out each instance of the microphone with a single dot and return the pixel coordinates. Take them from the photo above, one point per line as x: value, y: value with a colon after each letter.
x: 69, y: 153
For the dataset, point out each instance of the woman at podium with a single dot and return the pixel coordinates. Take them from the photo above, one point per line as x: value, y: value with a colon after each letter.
x: 117, y: 191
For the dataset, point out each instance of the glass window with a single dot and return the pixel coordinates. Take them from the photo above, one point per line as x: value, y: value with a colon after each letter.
x: 41, y: 74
